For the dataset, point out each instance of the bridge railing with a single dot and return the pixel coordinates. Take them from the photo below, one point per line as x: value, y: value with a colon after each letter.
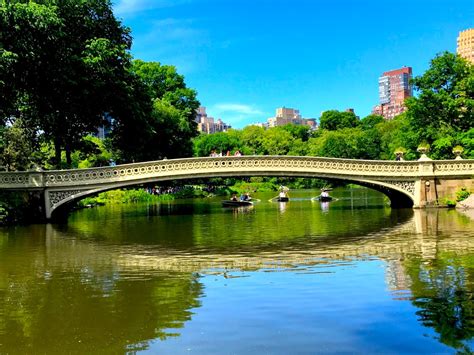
x: 246, y: 164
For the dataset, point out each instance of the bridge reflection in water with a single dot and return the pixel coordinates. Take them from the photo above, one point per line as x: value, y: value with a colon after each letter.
x: 82, y: 290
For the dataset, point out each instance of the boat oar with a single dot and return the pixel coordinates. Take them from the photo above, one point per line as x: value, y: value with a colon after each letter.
x: 270, y: 200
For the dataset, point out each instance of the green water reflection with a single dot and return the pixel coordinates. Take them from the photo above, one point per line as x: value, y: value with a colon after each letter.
x: 130, y: 278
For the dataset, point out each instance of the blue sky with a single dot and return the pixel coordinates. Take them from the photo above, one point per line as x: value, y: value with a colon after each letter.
x: 245, y: 58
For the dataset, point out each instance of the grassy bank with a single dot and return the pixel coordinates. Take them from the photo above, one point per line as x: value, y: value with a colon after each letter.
x: 139, y: 195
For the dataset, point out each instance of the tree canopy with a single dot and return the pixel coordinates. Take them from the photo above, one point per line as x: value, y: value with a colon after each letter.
x: 76, y: 59
x: 333, y: 120
x: 444, y: 107
x: 65, y: 66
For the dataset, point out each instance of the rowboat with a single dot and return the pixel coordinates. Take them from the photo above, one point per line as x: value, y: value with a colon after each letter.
x: 324, y: 198
x: 283, y: 199
x: 231, y: 203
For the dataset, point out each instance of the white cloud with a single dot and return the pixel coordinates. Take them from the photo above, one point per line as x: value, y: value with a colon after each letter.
x: 236, y: 108
x: 123, y: 7
x: 236, y: 114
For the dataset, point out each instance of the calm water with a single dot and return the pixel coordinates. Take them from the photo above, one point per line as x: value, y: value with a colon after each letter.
x: 191, y: 277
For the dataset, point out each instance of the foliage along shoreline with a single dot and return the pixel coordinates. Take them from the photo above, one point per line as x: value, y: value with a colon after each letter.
x: 81, y: 77
x: 217, y: 187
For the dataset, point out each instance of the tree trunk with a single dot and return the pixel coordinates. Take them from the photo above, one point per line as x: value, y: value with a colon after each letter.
x: 68, y: 155
x: 57, y: 153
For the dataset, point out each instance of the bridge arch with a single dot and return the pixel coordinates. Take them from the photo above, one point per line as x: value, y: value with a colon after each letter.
x: 405, y: 183
x: 399, y: 197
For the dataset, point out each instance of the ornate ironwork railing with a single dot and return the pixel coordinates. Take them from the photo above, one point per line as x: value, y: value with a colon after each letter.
x: 246, y: 165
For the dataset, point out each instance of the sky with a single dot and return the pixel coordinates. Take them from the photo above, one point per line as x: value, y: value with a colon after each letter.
x: 246, y: 58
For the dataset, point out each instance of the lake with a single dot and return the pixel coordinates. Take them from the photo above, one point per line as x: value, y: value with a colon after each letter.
x: 192, y: 277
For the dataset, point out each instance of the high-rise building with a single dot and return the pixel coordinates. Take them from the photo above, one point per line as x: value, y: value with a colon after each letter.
x: 466, y: 44
x: 286, y: 116
x: 394, y: 88
x: 207, y: 124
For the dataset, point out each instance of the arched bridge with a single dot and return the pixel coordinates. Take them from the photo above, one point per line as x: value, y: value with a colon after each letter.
x: 406, y: 183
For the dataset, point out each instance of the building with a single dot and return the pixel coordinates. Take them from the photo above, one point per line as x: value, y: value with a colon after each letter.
x: 394, y: 88
x: 466, y: 44
x: 263, y: 125
x: 286, y: 116
x: 105, y: 130
x: 206, y: 124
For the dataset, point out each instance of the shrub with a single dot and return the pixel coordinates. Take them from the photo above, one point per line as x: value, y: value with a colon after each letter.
x: 447, y: 202
x: 462, y: 194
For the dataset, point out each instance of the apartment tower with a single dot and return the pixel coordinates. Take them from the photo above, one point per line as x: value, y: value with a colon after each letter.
x: 466, y: 44
x: 394, y: 88
x: 208, y: 125
x: 286, y: 116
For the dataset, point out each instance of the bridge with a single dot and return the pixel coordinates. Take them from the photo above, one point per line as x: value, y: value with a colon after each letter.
x: 407, y: 183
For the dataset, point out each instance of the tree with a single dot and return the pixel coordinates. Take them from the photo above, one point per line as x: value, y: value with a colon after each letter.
x: 370, y: 121
x: 252, y: 139
x: 445, y: 103
x: 333, y: 120
x: 219, y: 142
x: 17, y: 146
x: 277, y: 141
x: 163, y: 118
x: 164, y: 83
x: 77, y: 59
x: 298, y: 131
x: 394, y: 134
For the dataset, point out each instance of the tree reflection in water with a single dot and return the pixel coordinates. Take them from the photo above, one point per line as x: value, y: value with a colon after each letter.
x: 119, y: 283
x: 443, y: 291
x: 442, y: 284
x: 57, y: 300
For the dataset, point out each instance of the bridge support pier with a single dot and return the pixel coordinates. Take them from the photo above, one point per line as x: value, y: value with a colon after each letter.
x: 434, y: 192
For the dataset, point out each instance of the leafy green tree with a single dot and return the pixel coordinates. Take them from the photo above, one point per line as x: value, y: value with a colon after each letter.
x: 93, y: 152
x: 466, y: 140
x: 371, y: 121
x: 163, y: 118
x: 252, y: 139
x: 17, y: 146
x: 164, y: 83
x: 444, y: 106
x: 76, y: 55
x: 298, y: 148
x: 277, y: 141
x: 333, y: 120
x: 394, y: 134
x: 172, y: 132
x: 218, y: 142
x: 298, y: 131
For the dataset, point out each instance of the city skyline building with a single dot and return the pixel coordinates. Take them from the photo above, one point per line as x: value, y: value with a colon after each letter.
x: 465, y: 44
x: 284, y: 116
x: 206, y: 124
x: 394, y: 88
